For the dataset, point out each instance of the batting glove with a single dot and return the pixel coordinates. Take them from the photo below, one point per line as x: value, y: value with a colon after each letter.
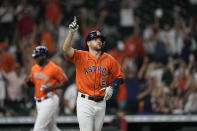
x: 73, y: 27
x: 108, y: 92
x: 45, y: 88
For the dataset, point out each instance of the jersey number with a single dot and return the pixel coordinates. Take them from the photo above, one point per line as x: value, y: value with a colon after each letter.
x: 103, y: 81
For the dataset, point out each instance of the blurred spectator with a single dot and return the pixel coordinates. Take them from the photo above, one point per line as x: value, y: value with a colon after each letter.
x: 47, y: 36
x: 21, y: 6
x: 134, y: 47
x: 53, y: 11
x: 148, y: 37
x: 118, y: 52
x: 193, y: 27
x: 144, y: 97
x: 113, y: 13
x: 176, y: 98
x: 77, y: 3
x: 145, y: 91
x: 119, y: 121
x: 160, y: 49
x: 68, y: 12
x: 191, y: 103
x: 181, y: 75
x: 168, y: 73
x: 193, y: 7
x: 25, y: 33
x: 148, y: 99
x: 3, y: 85
x: 160, y: 100
x: 168, y: 36
x: 6, y: 21
x: 191, y: 90
x: 156, y: 73
x: 188, y: 46
x: 132, y: 84
x: 180, y: 29
x: 70, y: 96
x: 127, y: 18
x: 6, y: 59
x: 25, y: 24
x: 16, y: 93
x: 178, y: 88
x: 15, y: 80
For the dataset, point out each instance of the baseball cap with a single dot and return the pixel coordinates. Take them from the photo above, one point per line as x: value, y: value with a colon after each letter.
x: 40, y: 50
x: 93, y: 35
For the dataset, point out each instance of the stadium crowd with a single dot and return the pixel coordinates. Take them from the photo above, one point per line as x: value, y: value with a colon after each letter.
x: 154, y: 41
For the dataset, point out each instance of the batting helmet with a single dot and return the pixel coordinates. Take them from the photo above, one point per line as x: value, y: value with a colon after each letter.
x: 95, y: 34
x: 40, y: 50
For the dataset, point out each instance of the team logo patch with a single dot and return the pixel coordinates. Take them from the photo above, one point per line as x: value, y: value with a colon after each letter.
x: 98, y: 33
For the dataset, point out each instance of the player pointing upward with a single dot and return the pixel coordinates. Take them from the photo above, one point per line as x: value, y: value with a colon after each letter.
x: 97, y: 73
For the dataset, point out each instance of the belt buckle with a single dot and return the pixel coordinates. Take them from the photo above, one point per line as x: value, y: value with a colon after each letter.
x: 97, y: 98
x: 41, y: 99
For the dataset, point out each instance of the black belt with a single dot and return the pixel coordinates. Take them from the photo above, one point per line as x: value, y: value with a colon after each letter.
x: 96, y: 98
x: 40, y: 100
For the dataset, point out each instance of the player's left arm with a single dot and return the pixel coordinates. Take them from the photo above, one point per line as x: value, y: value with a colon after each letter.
x: 62, y: 79
x: 117, y: 75
x: 57, y: 86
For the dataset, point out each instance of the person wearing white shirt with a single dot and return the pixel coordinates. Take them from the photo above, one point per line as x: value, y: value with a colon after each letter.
x: 70, y: 96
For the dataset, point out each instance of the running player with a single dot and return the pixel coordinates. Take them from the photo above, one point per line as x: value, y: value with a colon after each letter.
x: 46, y: 76
x: 97, y: 74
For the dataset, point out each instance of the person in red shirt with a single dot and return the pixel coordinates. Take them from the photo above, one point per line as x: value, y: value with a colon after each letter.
x: 53, y: 11
x: 6, y: 59
x: 134, y: 47
x: 119, y: 52
x: 46, y: 77
x: 26, y: 24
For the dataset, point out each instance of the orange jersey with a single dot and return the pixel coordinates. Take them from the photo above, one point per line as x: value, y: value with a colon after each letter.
x: 93, y: 73
x: 49, y: 75
x: 6, y: 62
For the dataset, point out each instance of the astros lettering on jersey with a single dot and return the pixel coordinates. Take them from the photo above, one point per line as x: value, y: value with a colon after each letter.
x: 93, y: 73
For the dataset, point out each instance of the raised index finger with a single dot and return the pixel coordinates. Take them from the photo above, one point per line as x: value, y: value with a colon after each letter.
x: 102, y: 89
x: 75, y: 19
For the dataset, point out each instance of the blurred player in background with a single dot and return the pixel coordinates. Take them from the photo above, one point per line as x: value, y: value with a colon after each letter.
x: 46, y: 76
x: 97, y: 74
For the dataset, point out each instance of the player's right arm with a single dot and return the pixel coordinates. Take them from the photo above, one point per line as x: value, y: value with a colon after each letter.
x: 29, y: 81
x: 67, y: 46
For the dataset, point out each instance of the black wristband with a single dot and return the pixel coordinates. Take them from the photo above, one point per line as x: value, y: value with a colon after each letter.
x: 117, y: 82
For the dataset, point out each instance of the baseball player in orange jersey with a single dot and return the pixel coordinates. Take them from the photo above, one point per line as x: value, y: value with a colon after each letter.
x: 46, y: 77
x: 97, y: 74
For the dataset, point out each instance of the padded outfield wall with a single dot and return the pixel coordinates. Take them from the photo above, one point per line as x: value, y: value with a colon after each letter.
x: 135, y: 123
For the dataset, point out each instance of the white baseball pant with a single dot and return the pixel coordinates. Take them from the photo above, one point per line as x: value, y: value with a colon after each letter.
x: 90, y: 114
x: 46, y: 112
